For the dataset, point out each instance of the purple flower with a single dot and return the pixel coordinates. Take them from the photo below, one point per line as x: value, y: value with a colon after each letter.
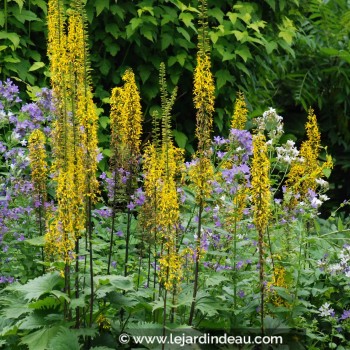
x: 119, y: 233
x: 345, y: 315
x: 21, y: 238
x: 99, y: 157
x: 239, y: 265
x: 131, y: 206
x: 241, y: 293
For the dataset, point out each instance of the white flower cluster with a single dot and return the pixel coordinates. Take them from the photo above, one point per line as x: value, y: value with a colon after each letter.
x: 287, y: 153
x: 322, y: 183
x: 325, y: 310
x: 343, y: 266
x: 272, y: 123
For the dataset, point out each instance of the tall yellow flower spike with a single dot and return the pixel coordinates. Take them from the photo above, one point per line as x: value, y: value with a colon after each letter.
x: 240, y: 113
x: 260, y: 190
x: 203, y: 100
x: 302, y: 176
x: 126, y: 124
x: 74, y: 130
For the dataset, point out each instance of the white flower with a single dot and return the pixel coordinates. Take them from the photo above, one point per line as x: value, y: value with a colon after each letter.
x: 322, y: 183
x: 325, y: 310
x: 323, y: 197
x: 15, y: 135
x: 23, y: 142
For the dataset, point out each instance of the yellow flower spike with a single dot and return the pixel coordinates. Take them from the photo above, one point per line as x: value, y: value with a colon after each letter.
x: 302, y: 175
x: 240, y: 113
x: 203, y: 100
x: 260, y: 190
x: 74, y: 136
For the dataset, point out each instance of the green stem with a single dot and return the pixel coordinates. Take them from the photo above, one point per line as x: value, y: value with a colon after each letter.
x: 196, y: 270
x: 127, y: 242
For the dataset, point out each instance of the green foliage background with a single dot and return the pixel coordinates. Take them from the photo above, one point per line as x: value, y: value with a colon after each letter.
x: 286, y: 54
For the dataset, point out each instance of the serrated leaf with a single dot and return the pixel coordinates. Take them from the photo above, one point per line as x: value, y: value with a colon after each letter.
x: 39, y: 286
x: 36, y: 65
x: 13, y: 307
x: 40, y: 339
x: 215, y: 280
x: 101, y: 5
x: 59, y: 294
x: 65, y: 339
x: 33, y: 321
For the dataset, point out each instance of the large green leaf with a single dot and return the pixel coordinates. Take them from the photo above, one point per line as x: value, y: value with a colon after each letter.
x: 39, y: 286
x: 65, y: 339
x: 39, y: 340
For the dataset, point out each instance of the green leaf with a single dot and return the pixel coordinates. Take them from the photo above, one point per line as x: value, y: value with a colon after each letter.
x: 33, y: 321
x: 241, y: 36
x: 36, y: 65
x: 166, y: 40
x: 272, y: 4
x: 39, y: 286
x: 65, y: 339
x: 101, y: 5
x: 104, y: 121
x: 187, y: 18
x: 117, y: 281
x: 26, y: 15
x: 135, y: 23
x: 233, y: 17
x: 244, y: 52
x: 327, y: 172
x: 216, y: 13
x: 286, y: 36
x: 40, y: 339
x: 180, y: 138
x: 19, y: 3
x: 243, y: 68
x: 184, y: 33
x: 13, y: 37
x: 222, y: 77
x: 36, y: 241
x: 270, y: 46
x: 215, y: 280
